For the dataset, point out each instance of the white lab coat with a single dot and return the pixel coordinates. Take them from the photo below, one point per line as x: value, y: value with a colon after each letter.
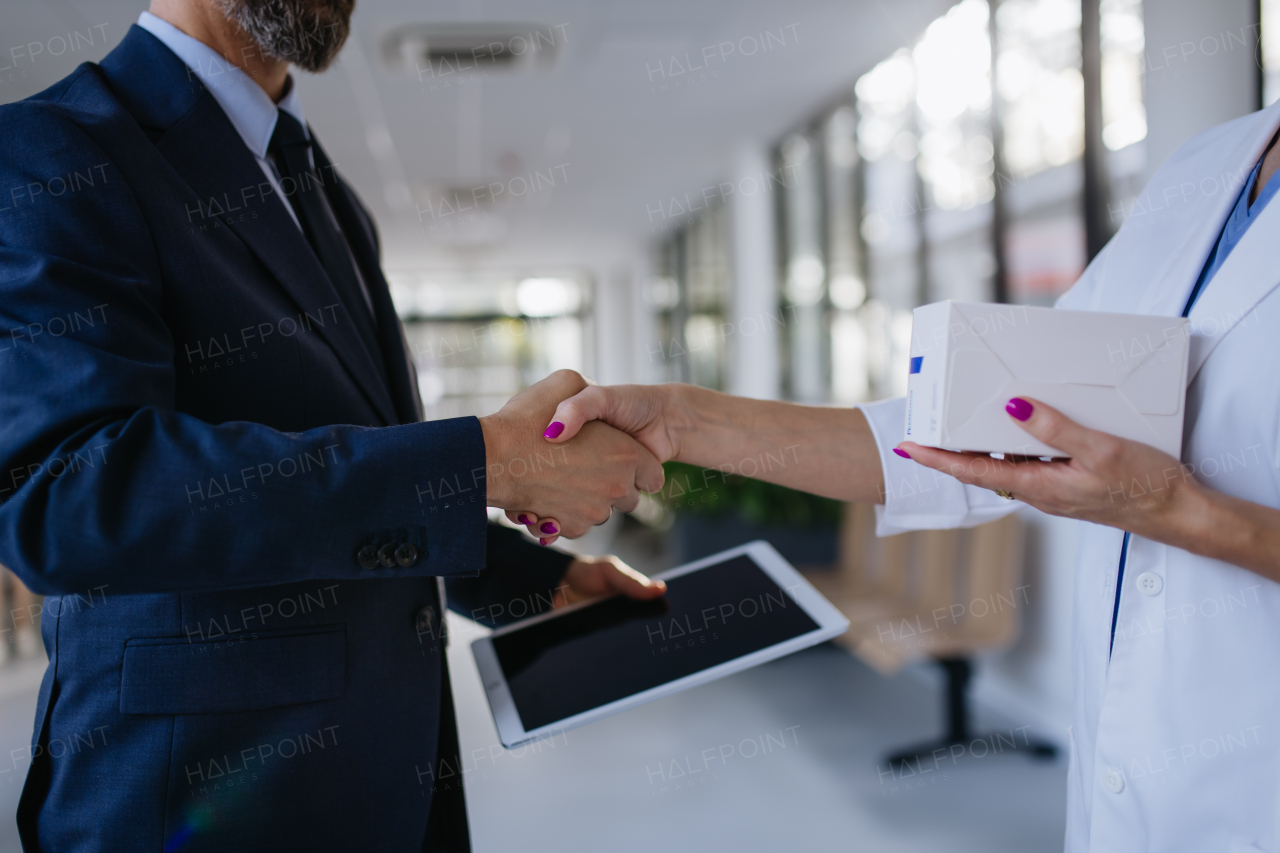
x: 1175, y: 742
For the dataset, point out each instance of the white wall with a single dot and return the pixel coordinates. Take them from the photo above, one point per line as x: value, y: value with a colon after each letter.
x: 1200, y: 69
x: 754, y: 345
x: 646, y: 364
x: 616, y: 329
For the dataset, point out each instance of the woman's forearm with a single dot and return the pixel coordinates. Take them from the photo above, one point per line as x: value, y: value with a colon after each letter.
x: 826, y: 451
x: 832, y: 452
x: 1119, y: 482
x: 1233, y: 530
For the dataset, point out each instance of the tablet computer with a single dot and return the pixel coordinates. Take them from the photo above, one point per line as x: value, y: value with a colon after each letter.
x: 720, y: 615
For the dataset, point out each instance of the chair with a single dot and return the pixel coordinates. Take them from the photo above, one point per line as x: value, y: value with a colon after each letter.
x: 940, y: 594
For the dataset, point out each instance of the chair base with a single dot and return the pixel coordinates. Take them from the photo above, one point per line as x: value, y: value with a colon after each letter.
x: 959, y: 740
x: 929, y: 755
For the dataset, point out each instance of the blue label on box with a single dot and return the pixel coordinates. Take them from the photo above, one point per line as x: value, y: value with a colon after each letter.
x: 915, y: 363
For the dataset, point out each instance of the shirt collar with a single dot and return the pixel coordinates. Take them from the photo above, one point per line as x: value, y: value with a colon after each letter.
x: 246, y: 104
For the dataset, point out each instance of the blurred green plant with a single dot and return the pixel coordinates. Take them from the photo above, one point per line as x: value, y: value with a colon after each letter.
x: 703, y: 491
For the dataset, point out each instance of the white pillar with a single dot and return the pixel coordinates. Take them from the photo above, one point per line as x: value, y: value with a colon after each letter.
x: 1200, y: 69
x: 612, y: 330
x: 644, y: 346
x: 753, y: 303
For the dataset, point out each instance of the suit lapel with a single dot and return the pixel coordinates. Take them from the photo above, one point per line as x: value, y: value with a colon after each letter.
x: 209, y: 155
x: 205, y: 150
x: 1227, y: 172
x: 400, y: 370
x: 1250, y: 273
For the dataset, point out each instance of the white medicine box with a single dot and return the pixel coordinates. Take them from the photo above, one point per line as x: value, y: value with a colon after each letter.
x: 1120, y: 373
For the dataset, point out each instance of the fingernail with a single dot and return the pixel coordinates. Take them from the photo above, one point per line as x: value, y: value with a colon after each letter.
x: 1019, y: 408
x: 554, y: 430
x: 523, y: 519
x: 904, y: 454
x: 548, y: 527
x: 542, y: 542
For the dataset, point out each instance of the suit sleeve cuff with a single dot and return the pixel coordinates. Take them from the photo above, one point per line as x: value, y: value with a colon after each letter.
x: 436, y: 472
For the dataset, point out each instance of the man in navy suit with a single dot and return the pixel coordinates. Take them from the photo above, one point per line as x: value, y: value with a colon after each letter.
x: 213, y: 464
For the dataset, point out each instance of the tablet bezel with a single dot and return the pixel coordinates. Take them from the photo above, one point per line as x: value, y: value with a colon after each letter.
x: 830, y: 621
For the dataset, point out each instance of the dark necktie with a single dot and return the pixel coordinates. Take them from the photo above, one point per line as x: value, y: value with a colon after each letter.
x: 304, y: 189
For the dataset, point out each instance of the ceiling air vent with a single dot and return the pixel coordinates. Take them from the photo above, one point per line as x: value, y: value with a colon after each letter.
x: 427, y: 51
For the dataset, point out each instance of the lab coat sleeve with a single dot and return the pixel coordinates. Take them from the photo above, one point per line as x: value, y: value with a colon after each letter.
x: 919, y: 498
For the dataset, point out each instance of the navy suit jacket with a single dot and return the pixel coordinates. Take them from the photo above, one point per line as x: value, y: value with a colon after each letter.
x: 195, y: 449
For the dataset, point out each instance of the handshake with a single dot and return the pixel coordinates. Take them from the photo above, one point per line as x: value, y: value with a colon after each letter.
x: 556, y: 465
x: 563, y: 453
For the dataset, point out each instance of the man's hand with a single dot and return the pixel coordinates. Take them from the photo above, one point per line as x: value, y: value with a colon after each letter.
x: 1108, y: 480
x: 594, y: 577
x: 577, y: 482
x: 644, y: 412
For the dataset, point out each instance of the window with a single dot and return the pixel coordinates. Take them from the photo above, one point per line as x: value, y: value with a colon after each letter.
x: 956, y: 170
x: 1270, y: 14
x: 690, y: 296
x: 892, y: 216
x: 804, y: 272
x: 706, y: 277
x: 846, y: 258
x: 1041, y: 92
x: 478, y: 339
x: 1041, y: 88
x: 956, y: 160
x: 1124, y: 116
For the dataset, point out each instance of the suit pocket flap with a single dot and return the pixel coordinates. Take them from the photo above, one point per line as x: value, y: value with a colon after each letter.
x: 170, y: 675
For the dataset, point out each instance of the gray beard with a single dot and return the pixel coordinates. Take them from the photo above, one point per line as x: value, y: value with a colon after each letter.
x: 307, y: 33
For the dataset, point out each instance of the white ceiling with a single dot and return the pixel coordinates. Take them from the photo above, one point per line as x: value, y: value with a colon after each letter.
x: 596, y: 121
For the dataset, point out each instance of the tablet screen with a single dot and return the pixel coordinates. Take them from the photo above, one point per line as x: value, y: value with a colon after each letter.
x: 618, y: 647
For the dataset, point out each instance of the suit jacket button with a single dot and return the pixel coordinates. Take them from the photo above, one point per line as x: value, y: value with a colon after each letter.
x: 387, y: 555
x: 424, y: 620
x: 367, y: 557
x: 407, y: 554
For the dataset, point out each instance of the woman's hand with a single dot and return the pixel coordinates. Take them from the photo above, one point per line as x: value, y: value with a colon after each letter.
x: 648, y: 413
x: 580, y: 483
x: 651, y: 414
x: 1120, y: 483
x: 1108, y: 480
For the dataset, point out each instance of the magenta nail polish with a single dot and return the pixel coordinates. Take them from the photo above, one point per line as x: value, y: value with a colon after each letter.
x: 554, y: 430
x: 904, y: 454
x: 548, y: 527
x: 1019, y: 408
x: 542, y: 542
x: 523, y: 519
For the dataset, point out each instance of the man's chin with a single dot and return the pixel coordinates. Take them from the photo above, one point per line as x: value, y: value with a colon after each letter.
x: 306, y: 33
